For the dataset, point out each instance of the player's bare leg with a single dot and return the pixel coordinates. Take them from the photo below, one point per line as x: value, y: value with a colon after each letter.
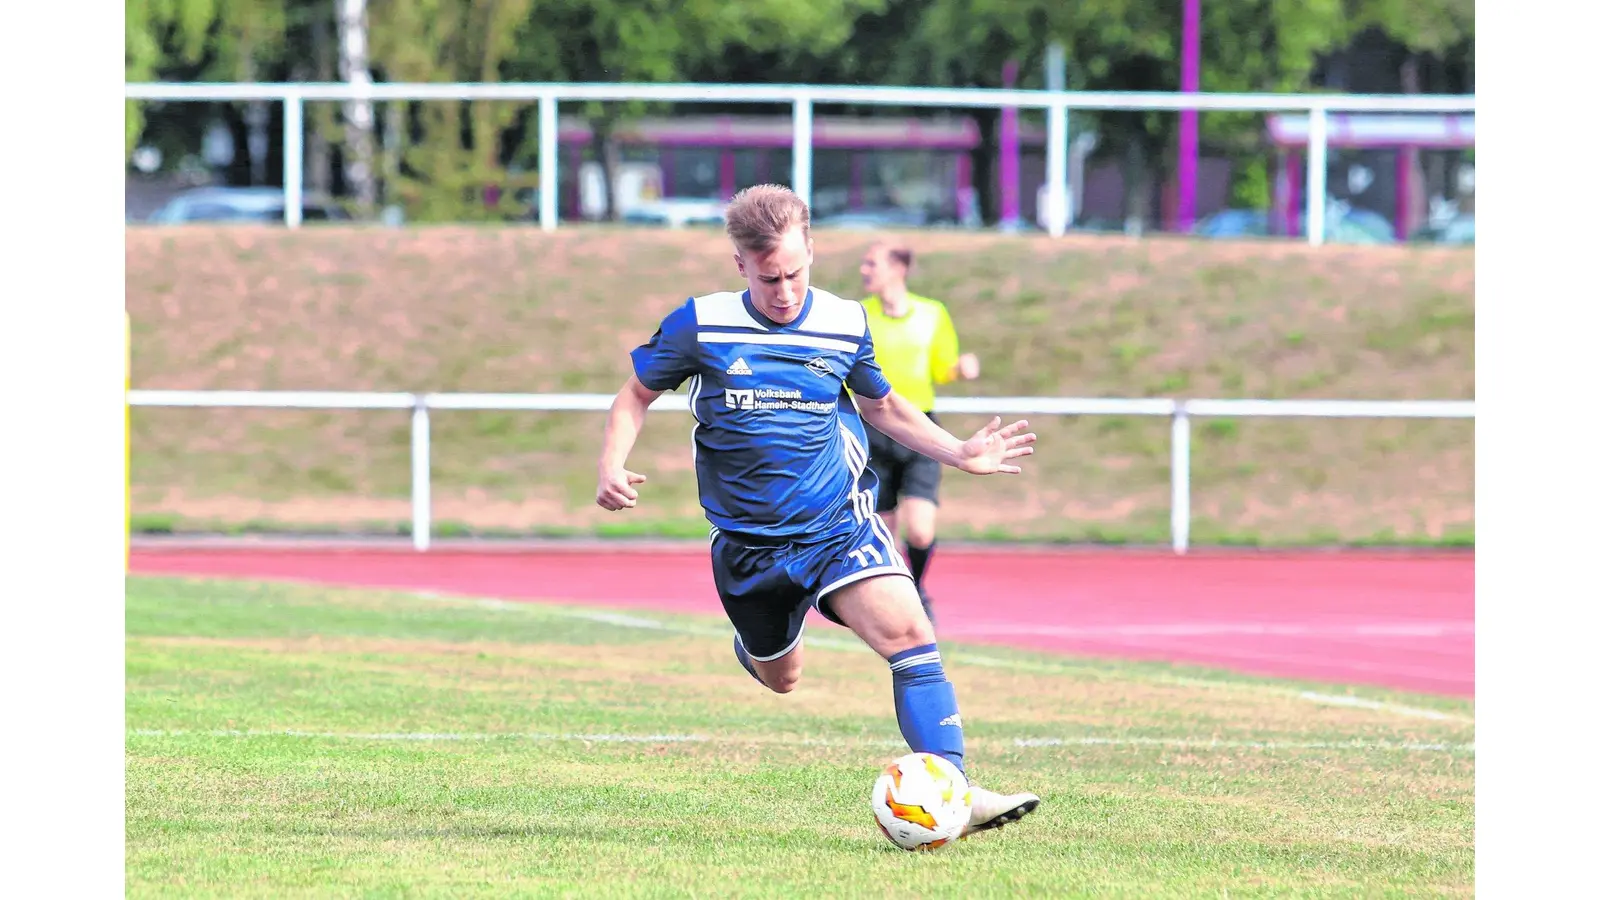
x: 884, y: 613
x: 919, y: 518
x: 779, y: 675
x: 887, y: 615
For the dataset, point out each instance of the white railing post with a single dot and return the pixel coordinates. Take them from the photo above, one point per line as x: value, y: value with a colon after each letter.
x: 1056, y: 170
x: 294, y: 142
x: 801, y: 177
x: 549, y: 163
x: 1180, y: 479
x: 1317, y: 176
x: 421, y: 486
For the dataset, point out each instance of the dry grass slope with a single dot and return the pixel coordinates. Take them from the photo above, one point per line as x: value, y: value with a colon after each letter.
x: 500, y: 309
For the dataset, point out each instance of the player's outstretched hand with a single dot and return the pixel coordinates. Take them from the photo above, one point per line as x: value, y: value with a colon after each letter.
x: 990, y: 451
x: 616, y: 489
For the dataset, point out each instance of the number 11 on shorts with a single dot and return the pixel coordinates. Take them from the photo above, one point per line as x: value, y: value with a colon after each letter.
x: 860, y: 555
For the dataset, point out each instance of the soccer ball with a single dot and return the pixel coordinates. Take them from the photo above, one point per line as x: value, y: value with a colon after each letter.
x: 921, y: 801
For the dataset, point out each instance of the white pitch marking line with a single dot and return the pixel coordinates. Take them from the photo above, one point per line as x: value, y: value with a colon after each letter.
x: 430, y: 736
x: 1219, y: 629
x: 1180, y: 743
x: 1173, y: 743
x: 627, y: 621
x: 1364, y: 703
x: 623, y: 620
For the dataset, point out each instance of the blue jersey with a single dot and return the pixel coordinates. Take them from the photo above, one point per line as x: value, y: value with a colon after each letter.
x: 780, y: 449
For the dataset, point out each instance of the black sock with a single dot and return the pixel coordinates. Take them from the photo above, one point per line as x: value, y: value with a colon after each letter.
x: 918, y: 557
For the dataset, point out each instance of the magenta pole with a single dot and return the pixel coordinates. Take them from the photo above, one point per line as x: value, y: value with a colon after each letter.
x: 728, y: 174
x: 1189, y: 119
x: 1010, y: 154
x: 1402, y: 191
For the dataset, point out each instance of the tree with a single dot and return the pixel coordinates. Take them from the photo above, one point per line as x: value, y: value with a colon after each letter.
x: 353, y: 69
x: 450, y: 150
x: 159, y: 33
x: 1246, y: 46
x: 967, y: 43
x: 206, y: 40
x: 662, y: 41
x: 1423, y: 26
x: 1133, y: 45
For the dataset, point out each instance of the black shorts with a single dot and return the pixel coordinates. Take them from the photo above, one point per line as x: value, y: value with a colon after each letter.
x: 767, y: 589
x: 901, y: 472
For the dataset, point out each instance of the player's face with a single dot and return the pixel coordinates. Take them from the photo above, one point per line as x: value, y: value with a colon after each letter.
x: 879, y: 272
x: 780, y: 277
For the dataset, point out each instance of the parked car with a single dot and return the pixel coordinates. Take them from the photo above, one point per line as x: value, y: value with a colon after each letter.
x: 677, y: 212
x: 260, y: 205
x: 872, y: 219
x: 1232, y: 223
x: 1460, y: 230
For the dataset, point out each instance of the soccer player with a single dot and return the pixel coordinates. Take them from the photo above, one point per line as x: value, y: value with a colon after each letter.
x: 917, y: 347
x: 781, y: 459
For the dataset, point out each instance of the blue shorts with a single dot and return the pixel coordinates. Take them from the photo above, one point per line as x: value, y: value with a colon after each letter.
x: 767, y: 589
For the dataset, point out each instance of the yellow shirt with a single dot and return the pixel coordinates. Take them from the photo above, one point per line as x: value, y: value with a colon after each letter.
x: 916, y: 351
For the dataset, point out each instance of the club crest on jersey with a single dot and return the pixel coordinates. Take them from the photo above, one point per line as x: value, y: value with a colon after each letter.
x: 820, y: 367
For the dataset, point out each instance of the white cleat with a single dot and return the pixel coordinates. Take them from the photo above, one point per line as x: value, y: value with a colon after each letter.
x: 991, y: 810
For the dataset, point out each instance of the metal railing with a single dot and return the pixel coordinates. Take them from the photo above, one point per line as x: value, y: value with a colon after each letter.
x: 803, y: 98
x: 1179, y: 411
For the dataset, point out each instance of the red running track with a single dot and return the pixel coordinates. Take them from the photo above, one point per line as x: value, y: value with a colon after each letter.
x: 1404, y: 622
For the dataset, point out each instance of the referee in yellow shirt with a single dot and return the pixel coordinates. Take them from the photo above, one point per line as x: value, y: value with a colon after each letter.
x: 916, y: 346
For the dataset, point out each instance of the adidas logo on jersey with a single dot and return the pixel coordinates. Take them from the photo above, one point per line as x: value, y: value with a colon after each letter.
x: 739, y: 367
x: 953, y: 719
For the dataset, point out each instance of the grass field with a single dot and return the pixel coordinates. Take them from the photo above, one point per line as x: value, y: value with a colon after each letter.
x: 514, y: 309
x: 288, y: 742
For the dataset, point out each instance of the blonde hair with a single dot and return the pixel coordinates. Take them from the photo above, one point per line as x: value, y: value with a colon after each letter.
x: 759, y: 216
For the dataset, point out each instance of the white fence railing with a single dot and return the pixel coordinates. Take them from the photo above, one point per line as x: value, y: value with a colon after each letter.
x: 803, y: 98
x: 1179, y: 411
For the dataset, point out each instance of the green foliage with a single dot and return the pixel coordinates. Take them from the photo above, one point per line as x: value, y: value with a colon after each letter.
x: 159, y: 34
x: 452, y: 149
x: 665, y: 41
x: 1424, y: 26
x: 1251, y: 186
x: 456, y: 149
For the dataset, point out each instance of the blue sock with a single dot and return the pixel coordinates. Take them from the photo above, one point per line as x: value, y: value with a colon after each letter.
x: 925, y: 703
x: 744, y: 659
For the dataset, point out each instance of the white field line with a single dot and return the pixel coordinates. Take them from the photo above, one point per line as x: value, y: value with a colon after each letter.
x: 1398, y: 629
x: 1364, y: 703
x: 545, y: 737
x: 425, y: 736
x: 993, y: 662
x: 1186, y: 744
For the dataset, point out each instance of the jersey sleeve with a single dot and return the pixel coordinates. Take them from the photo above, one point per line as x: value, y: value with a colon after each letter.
x: 670, y: 356
x: 866, y: 378
x: 945, y: 350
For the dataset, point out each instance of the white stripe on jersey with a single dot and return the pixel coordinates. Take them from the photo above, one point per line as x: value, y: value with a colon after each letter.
x: 878, y: 526
x: 780, y: 340
x: 832, y: 314
x: 855, y: 461
x: 696, y: 384
x: 724, y: 308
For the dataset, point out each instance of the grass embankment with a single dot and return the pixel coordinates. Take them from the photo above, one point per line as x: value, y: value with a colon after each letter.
x: 466, y: 309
